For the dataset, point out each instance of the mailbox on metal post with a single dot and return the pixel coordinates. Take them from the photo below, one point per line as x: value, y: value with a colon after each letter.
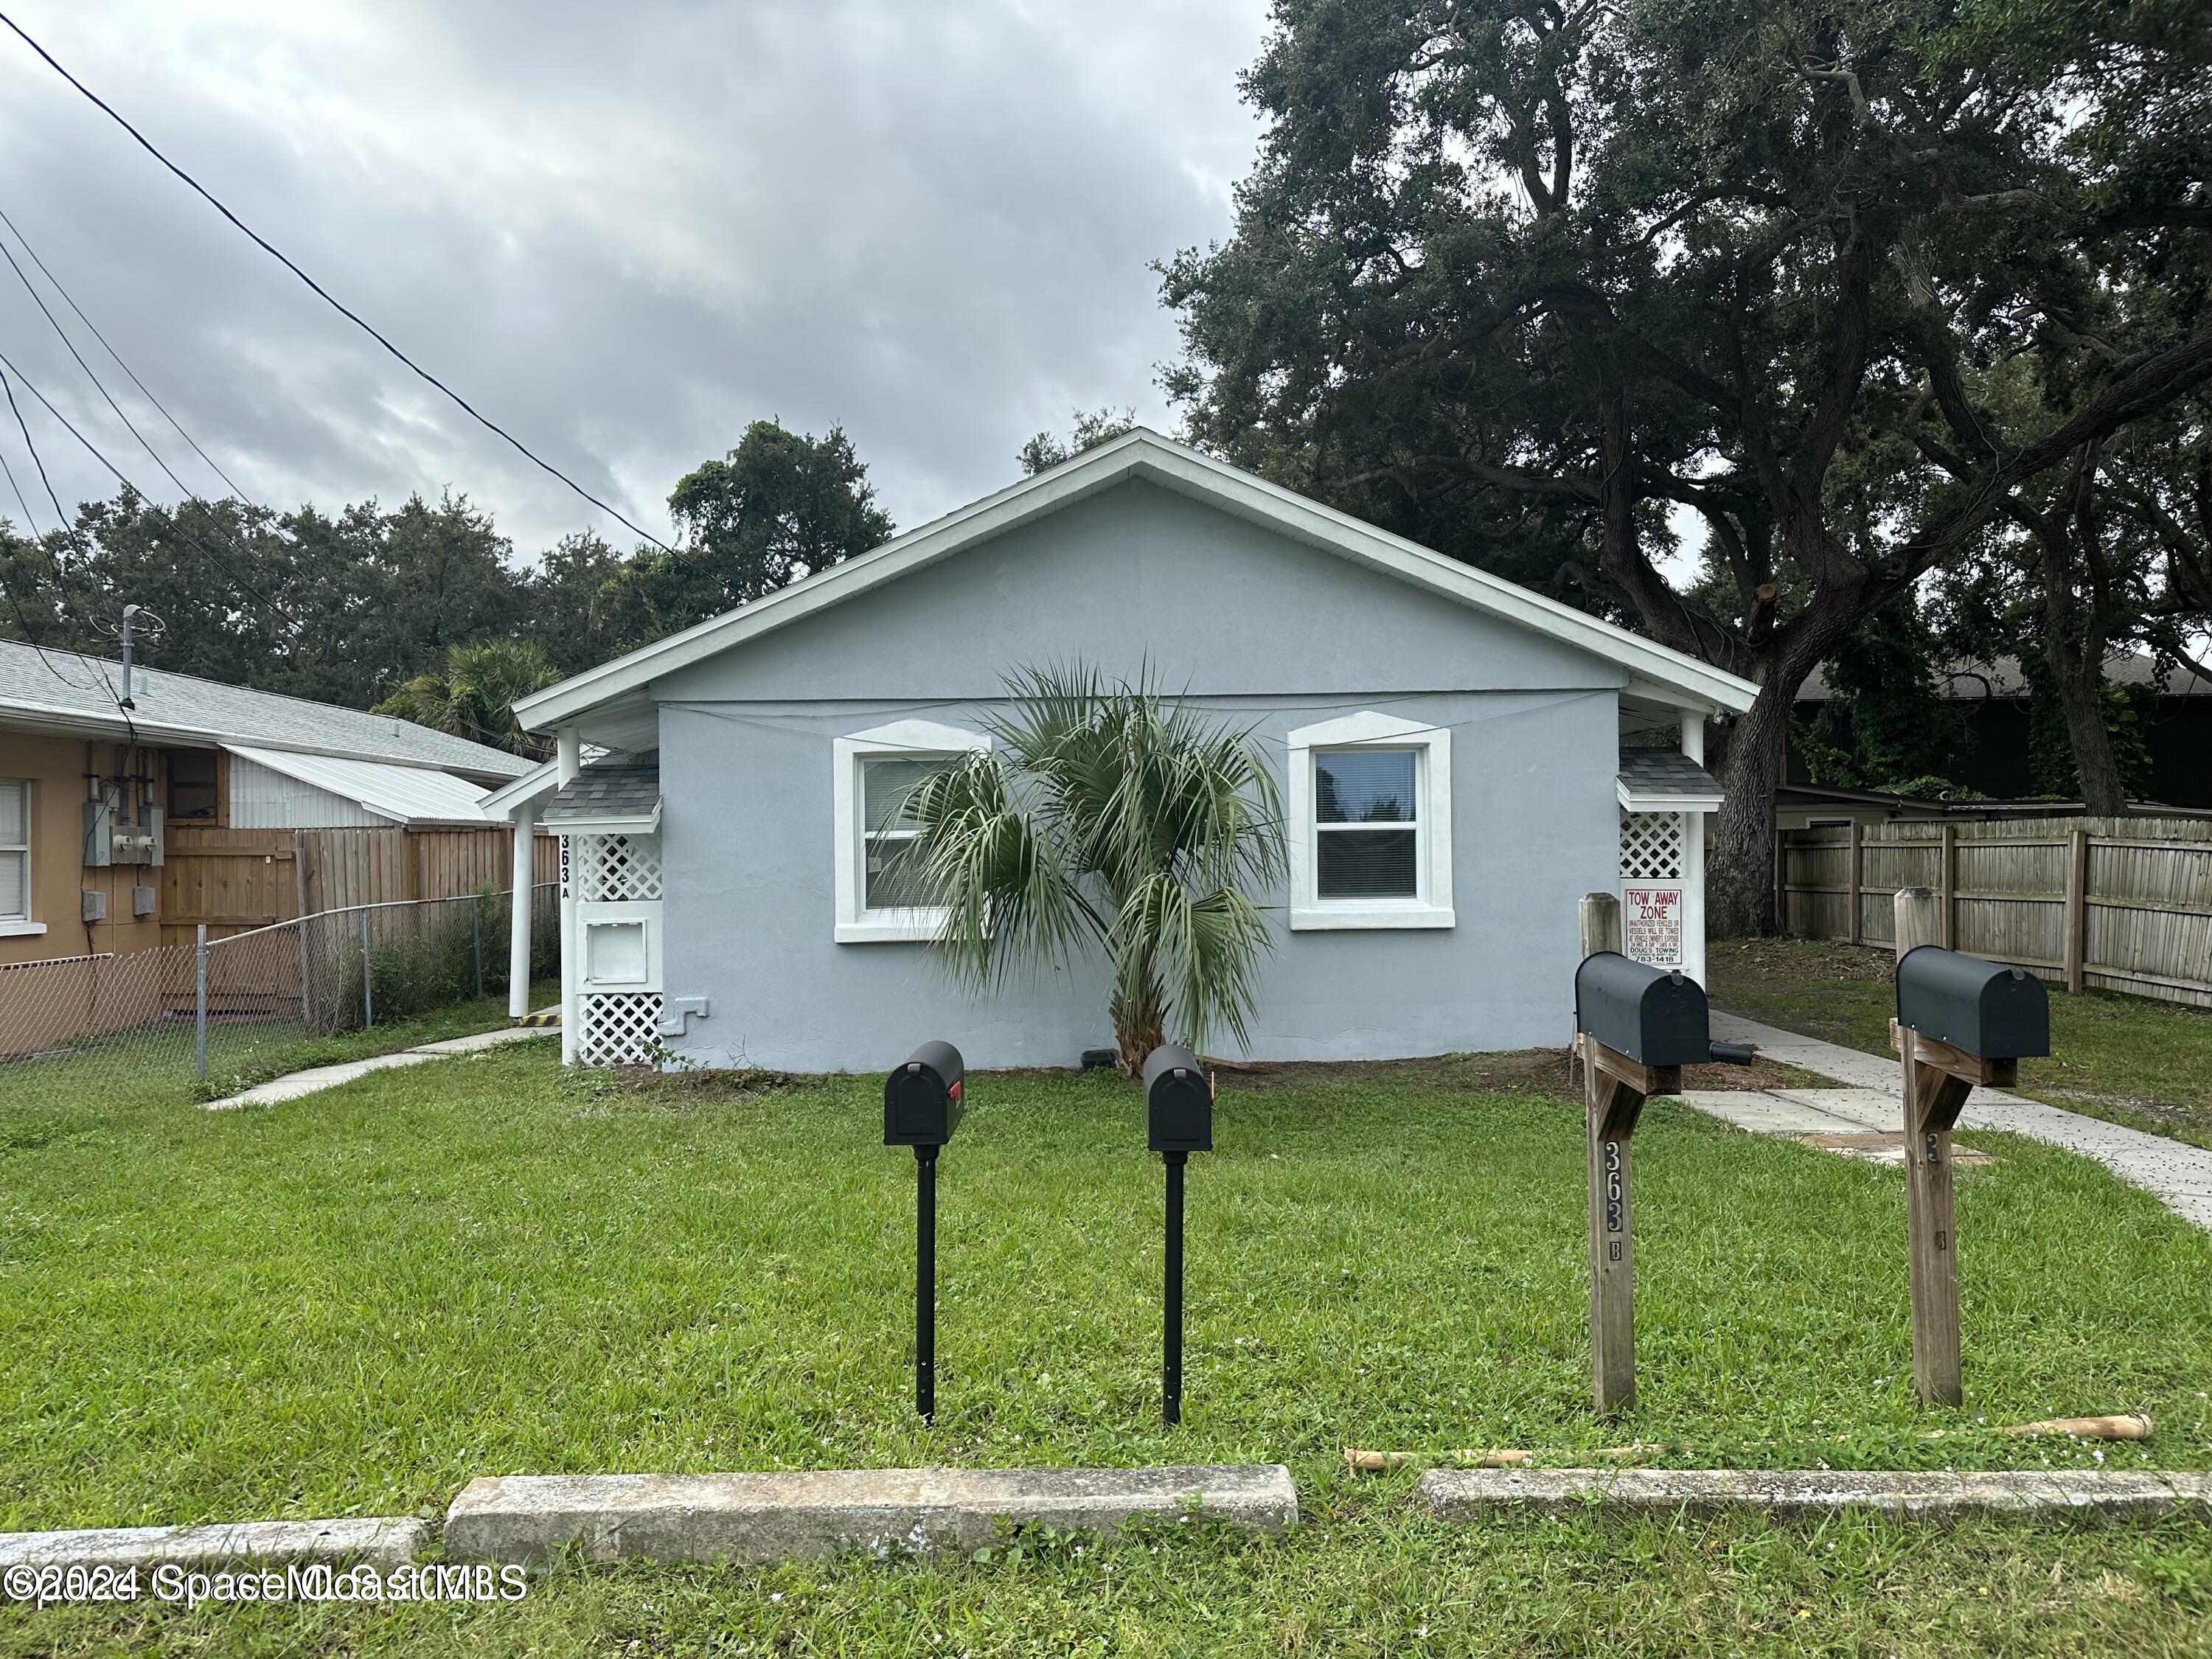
x: 1636, y: 1027
x: 923, y: 1102
x: 1960, y: 1021
x: 1179, y: 1121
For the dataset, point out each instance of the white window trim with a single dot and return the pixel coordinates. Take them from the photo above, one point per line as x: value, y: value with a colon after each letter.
x: 22, y: 926
x: 918, y: 740
x: 1431, y: 904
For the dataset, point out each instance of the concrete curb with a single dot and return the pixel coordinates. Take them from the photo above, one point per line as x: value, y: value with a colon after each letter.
x: 383, y: 1542
x: 1469, y: 1494
x: 781, y: 1517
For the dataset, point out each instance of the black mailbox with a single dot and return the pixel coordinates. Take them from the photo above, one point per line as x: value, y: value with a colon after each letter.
x: 1655, y: 1016
x: 1178, y: 1102
x: 922, y: 1097
x: 1985, y: 1008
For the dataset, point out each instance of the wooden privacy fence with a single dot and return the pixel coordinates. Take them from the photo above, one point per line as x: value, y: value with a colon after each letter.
x: 231, y: 880
x: 2124, y: 904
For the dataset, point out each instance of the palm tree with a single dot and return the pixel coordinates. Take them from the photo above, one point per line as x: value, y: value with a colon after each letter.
x: 1107, y: 814
x: 474, y: 696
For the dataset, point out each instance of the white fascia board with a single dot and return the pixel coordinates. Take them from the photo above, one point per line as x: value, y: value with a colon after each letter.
x: 1639, y: 800
x: 1143, y: 454
x: 532, y: 786
x: 606, y: 824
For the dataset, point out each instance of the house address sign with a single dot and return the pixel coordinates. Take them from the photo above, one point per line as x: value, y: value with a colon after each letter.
x: 1651, y: 925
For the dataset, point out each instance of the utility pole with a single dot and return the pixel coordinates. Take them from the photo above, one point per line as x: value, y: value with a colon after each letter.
x: 131, y: 613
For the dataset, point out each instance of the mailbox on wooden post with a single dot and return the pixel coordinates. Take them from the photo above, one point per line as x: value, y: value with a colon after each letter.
x: 924, y: 1100
x: 1636, y: 1027
x: 1960, y: 1021
x: 1179, y: 1121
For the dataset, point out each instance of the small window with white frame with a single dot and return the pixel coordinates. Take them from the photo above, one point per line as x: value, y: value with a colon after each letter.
x: 1369, y: 832
x: 881, y: 898
x: 14, y: 852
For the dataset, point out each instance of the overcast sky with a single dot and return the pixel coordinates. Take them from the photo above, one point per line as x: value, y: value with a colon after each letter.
x: 622, y: 231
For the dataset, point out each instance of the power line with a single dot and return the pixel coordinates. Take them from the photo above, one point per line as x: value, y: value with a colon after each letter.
x: 176, y: 523
x: 29, y: 524
x: 323, y: 293
x: 20, y: 427
x: 143, y: 389
x: 38, y: 300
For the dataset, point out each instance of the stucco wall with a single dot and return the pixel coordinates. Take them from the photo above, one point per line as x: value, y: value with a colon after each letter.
x: 56, y: 767
x: 1272, y: 632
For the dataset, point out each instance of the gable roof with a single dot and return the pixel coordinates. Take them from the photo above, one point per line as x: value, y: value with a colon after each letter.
x: 406, y: 794
x: 1143, y: 454
x: 72, y: 695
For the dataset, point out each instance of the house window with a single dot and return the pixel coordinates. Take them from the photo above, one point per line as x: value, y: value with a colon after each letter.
x: 880, y: 898
x: 192, y: 783
x: 890, y: 874
x: 1369, y: 830
x: 14, y: 851
x: 1367, y: 826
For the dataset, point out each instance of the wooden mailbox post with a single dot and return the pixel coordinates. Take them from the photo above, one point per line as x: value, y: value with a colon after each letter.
x: 1636, y: 1027
x: 1614, y: 1089
x: 1962, y: 1022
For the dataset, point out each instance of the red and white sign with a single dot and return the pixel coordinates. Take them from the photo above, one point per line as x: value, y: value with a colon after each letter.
x: 1651, y: 925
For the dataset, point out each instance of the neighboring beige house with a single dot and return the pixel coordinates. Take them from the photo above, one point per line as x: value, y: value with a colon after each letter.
x: 95, y: 780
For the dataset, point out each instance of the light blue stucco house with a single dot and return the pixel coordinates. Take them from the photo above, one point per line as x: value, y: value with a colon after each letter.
x: 717, y: 792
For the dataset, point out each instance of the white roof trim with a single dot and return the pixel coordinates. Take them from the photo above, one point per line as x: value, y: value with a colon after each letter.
x: 1646, y: 800
x: 1142, y: 454
x: 532, y: 786
x: 610, y: 824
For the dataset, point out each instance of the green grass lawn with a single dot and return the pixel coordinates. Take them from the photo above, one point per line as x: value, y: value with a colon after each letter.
x: 354, y: 1303
x: 2129, y: 1059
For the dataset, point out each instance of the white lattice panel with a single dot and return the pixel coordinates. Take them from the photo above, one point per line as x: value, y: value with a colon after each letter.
x: 1650, y: 846
x: 613, y: 869
x: 618, y: 1028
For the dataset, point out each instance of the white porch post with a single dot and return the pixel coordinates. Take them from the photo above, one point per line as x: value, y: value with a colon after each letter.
x: 518, y: 947
x: 569, y: 757
x: 1693, y: 860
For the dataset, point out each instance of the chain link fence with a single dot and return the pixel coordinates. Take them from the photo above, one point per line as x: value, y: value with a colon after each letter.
x: 235, y: 1006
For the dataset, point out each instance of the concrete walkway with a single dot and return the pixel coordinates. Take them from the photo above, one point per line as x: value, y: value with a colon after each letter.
x: 316, y: 1079
x: 2178, y: 1174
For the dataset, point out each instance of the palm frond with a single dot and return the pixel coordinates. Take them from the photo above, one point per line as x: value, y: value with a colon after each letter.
x: 1111, y: 812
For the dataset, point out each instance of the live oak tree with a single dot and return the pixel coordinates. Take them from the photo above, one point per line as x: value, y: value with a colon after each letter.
x: 1525, y: 279
x: 781, y: 506
x: 1092, y: 427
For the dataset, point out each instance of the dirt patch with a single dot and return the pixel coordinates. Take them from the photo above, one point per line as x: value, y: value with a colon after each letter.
x: 1518, y: 1072
x: 1798, y: 959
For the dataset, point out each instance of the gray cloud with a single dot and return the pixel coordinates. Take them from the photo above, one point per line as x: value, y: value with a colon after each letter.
x: 623, y: 232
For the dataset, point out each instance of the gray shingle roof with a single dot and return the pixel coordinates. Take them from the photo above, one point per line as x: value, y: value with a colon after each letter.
x: 620, y: 786
x: 1665, y: 772
x: 64, y: 691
